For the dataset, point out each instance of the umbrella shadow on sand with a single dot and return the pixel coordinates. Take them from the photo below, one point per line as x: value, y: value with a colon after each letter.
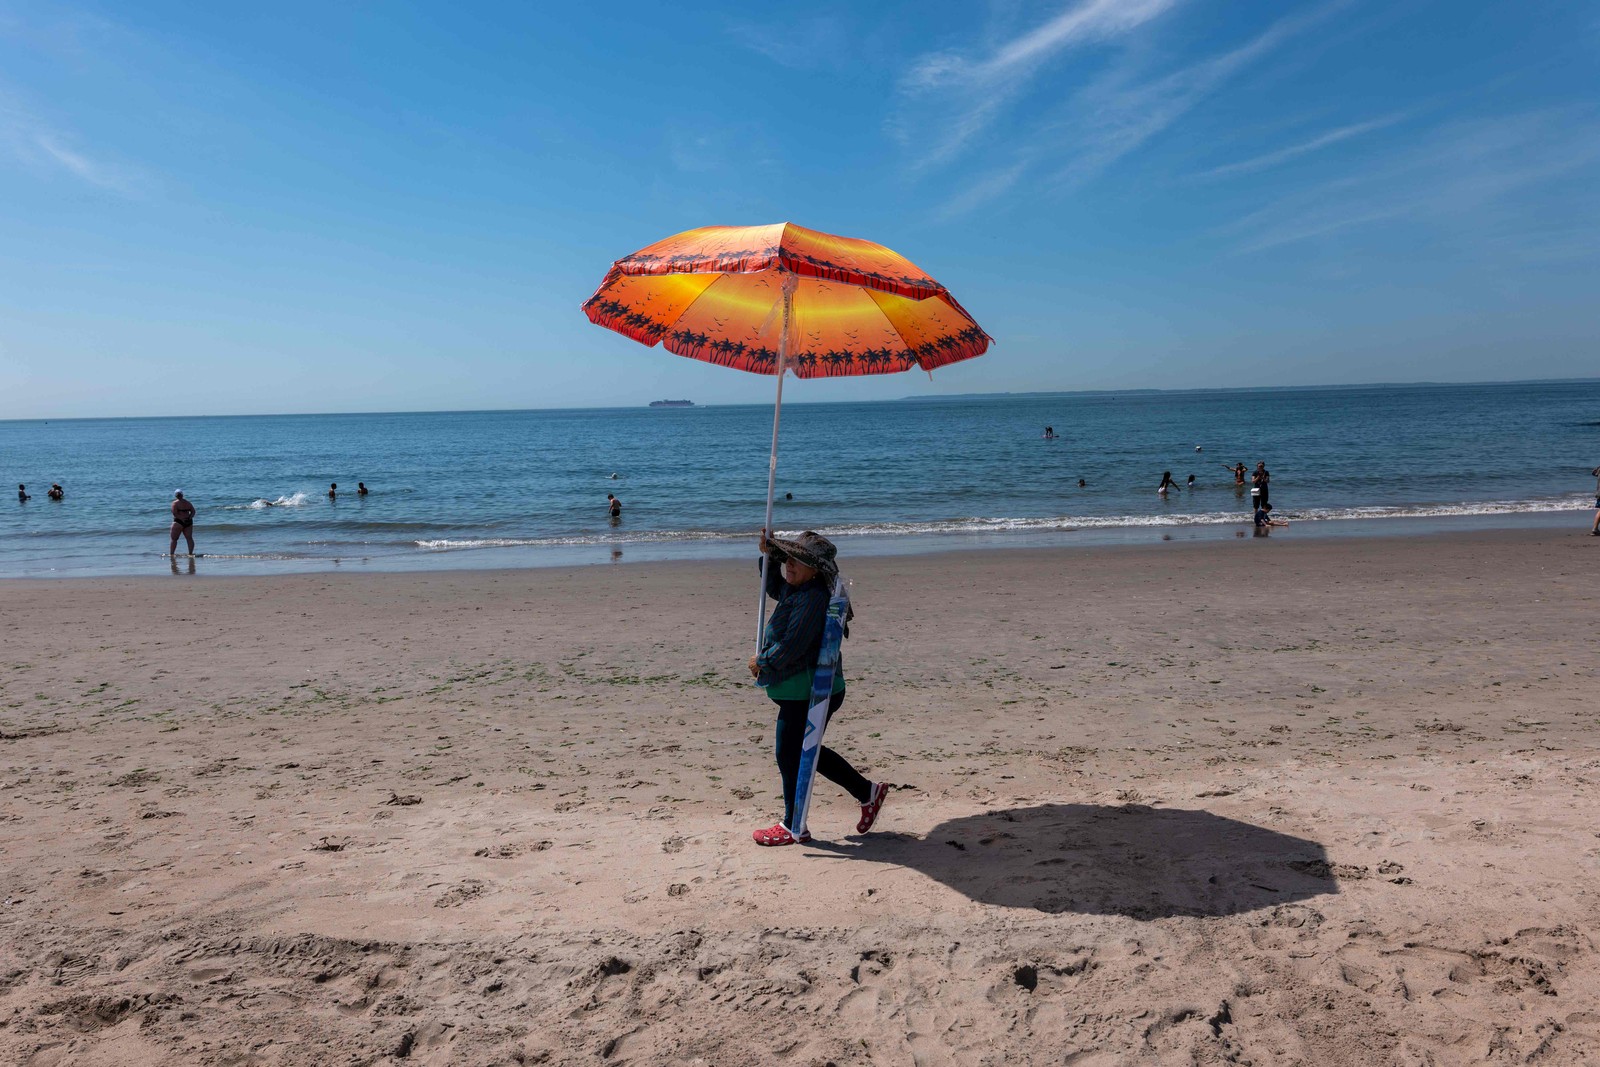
x: 1142, y: 862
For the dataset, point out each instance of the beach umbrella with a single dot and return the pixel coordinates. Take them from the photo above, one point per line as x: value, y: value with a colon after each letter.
x: 784, y: 299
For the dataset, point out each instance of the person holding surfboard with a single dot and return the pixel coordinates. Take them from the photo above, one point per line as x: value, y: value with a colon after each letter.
x: 800, y: 575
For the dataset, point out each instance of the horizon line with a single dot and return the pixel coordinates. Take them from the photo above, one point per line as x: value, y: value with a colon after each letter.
x: 1140, y: 391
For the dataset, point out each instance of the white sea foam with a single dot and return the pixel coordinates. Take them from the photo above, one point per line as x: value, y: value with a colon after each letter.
x: 294, y: 500
x: 1046, y: 524
x: 641, y: 537
x: 1066, y: 523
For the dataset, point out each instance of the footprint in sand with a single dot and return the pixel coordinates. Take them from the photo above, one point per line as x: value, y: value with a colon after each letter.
x: 510, y: 851
x: 458, y: 895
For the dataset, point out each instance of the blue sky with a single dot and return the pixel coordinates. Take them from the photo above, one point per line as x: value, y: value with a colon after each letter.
x: 338, y: 207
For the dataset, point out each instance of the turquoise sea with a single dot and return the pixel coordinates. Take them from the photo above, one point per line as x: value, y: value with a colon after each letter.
x: 525, y: 488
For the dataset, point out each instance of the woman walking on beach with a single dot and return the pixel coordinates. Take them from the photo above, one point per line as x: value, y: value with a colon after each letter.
x: 182, y: 522
x: 800, y: 576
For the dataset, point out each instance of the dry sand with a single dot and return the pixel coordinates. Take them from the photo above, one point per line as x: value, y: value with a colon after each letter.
x: 1324, y: 802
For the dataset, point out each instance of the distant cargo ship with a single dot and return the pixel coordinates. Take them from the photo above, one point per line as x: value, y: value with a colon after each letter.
x: 672, y: 403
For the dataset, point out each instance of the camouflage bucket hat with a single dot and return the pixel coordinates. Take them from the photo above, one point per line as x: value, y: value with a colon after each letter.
x: 811, y: 549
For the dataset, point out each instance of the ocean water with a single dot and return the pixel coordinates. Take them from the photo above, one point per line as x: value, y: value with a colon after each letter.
x: 519, y: 488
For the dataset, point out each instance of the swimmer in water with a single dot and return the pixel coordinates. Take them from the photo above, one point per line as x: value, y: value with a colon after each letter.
x: 22, y: 494
x: 1238, y: 472
x: 1166, y: 483
x: 333, y: 491
x: 1049, y: 433
x: 56, y: 492
x: 1190, y: 483
x: 614, y: 506
x: 361, y: 489
x: 1082, y: 484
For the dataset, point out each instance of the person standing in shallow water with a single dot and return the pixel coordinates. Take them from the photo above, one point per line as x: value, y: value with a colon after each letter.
x: 800, y: 576
x: 1596, y: 530
x: 1259, y: 481
x: 22, y: 494
x: 1166, y: 483
x: 182, y: 522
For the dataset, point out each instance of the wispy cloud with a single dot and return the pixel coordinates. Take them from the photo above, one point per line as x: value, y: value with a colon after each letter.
x: 1111, y: 113
x: 801, y: 44
x: 985, y: 189
x: 1317, y: 143
x: 967, y: 93
x: 1112, y: 119
x: 31, y: 142
x: 1469, y: 179
x: 1080, y: 23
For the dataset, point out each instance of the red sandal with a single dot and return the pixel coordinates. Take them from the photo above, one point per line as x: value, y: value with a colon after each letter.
x: 779, y: 835
x: 869, y: 810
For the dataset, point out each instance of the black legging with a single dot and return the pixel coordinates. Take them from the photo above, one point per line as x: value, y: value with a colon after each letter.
x: 832, y: 766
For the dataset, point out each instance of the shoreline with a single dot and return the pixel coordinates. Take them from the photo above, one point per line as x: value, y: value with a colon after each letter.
x: 631, y: 553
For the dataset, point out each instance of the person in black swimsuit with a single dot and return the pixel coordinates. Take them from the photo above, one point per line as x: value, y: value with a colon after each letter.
x: 182, y: 522
x: 614, y: 506
x: 361, y: 489
x: 333, y: 491
x: 22, y: 494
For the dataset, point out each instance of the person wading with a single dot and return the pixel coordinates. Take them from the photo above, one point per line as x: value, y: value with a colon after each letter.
x: 800, y: 577
x: 182, y: 522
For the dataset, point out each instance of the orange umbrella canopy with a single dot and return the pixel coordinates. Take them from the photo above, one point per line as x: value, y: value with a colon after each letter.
x: 858, y: 307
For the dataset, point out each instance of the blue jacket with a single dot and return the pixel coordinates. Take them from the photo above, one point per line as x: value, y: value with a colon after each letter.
x: 793, y: 638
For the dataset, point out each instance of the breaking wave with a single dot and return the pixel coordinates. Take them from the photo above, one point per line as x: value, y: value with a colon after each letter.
x: 1045, y: 524
x: 294, y: 500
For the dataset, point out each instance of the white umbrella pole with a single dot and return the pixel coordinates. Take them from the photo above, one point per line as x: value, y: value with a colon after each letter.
x: 772, y: 460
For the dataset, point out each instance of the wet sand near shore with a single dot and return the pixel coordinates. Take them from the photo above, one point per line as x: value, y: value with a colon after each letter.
x: 1262, y: 802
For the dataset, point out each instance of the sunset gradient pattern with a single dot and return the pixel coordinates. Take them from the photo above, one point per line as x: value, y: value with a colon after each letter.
x: 715, y: 294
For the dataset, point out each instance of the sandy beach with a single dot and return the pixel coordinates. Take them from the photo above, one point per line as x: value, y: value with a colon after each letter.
x: 1259, y: 802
